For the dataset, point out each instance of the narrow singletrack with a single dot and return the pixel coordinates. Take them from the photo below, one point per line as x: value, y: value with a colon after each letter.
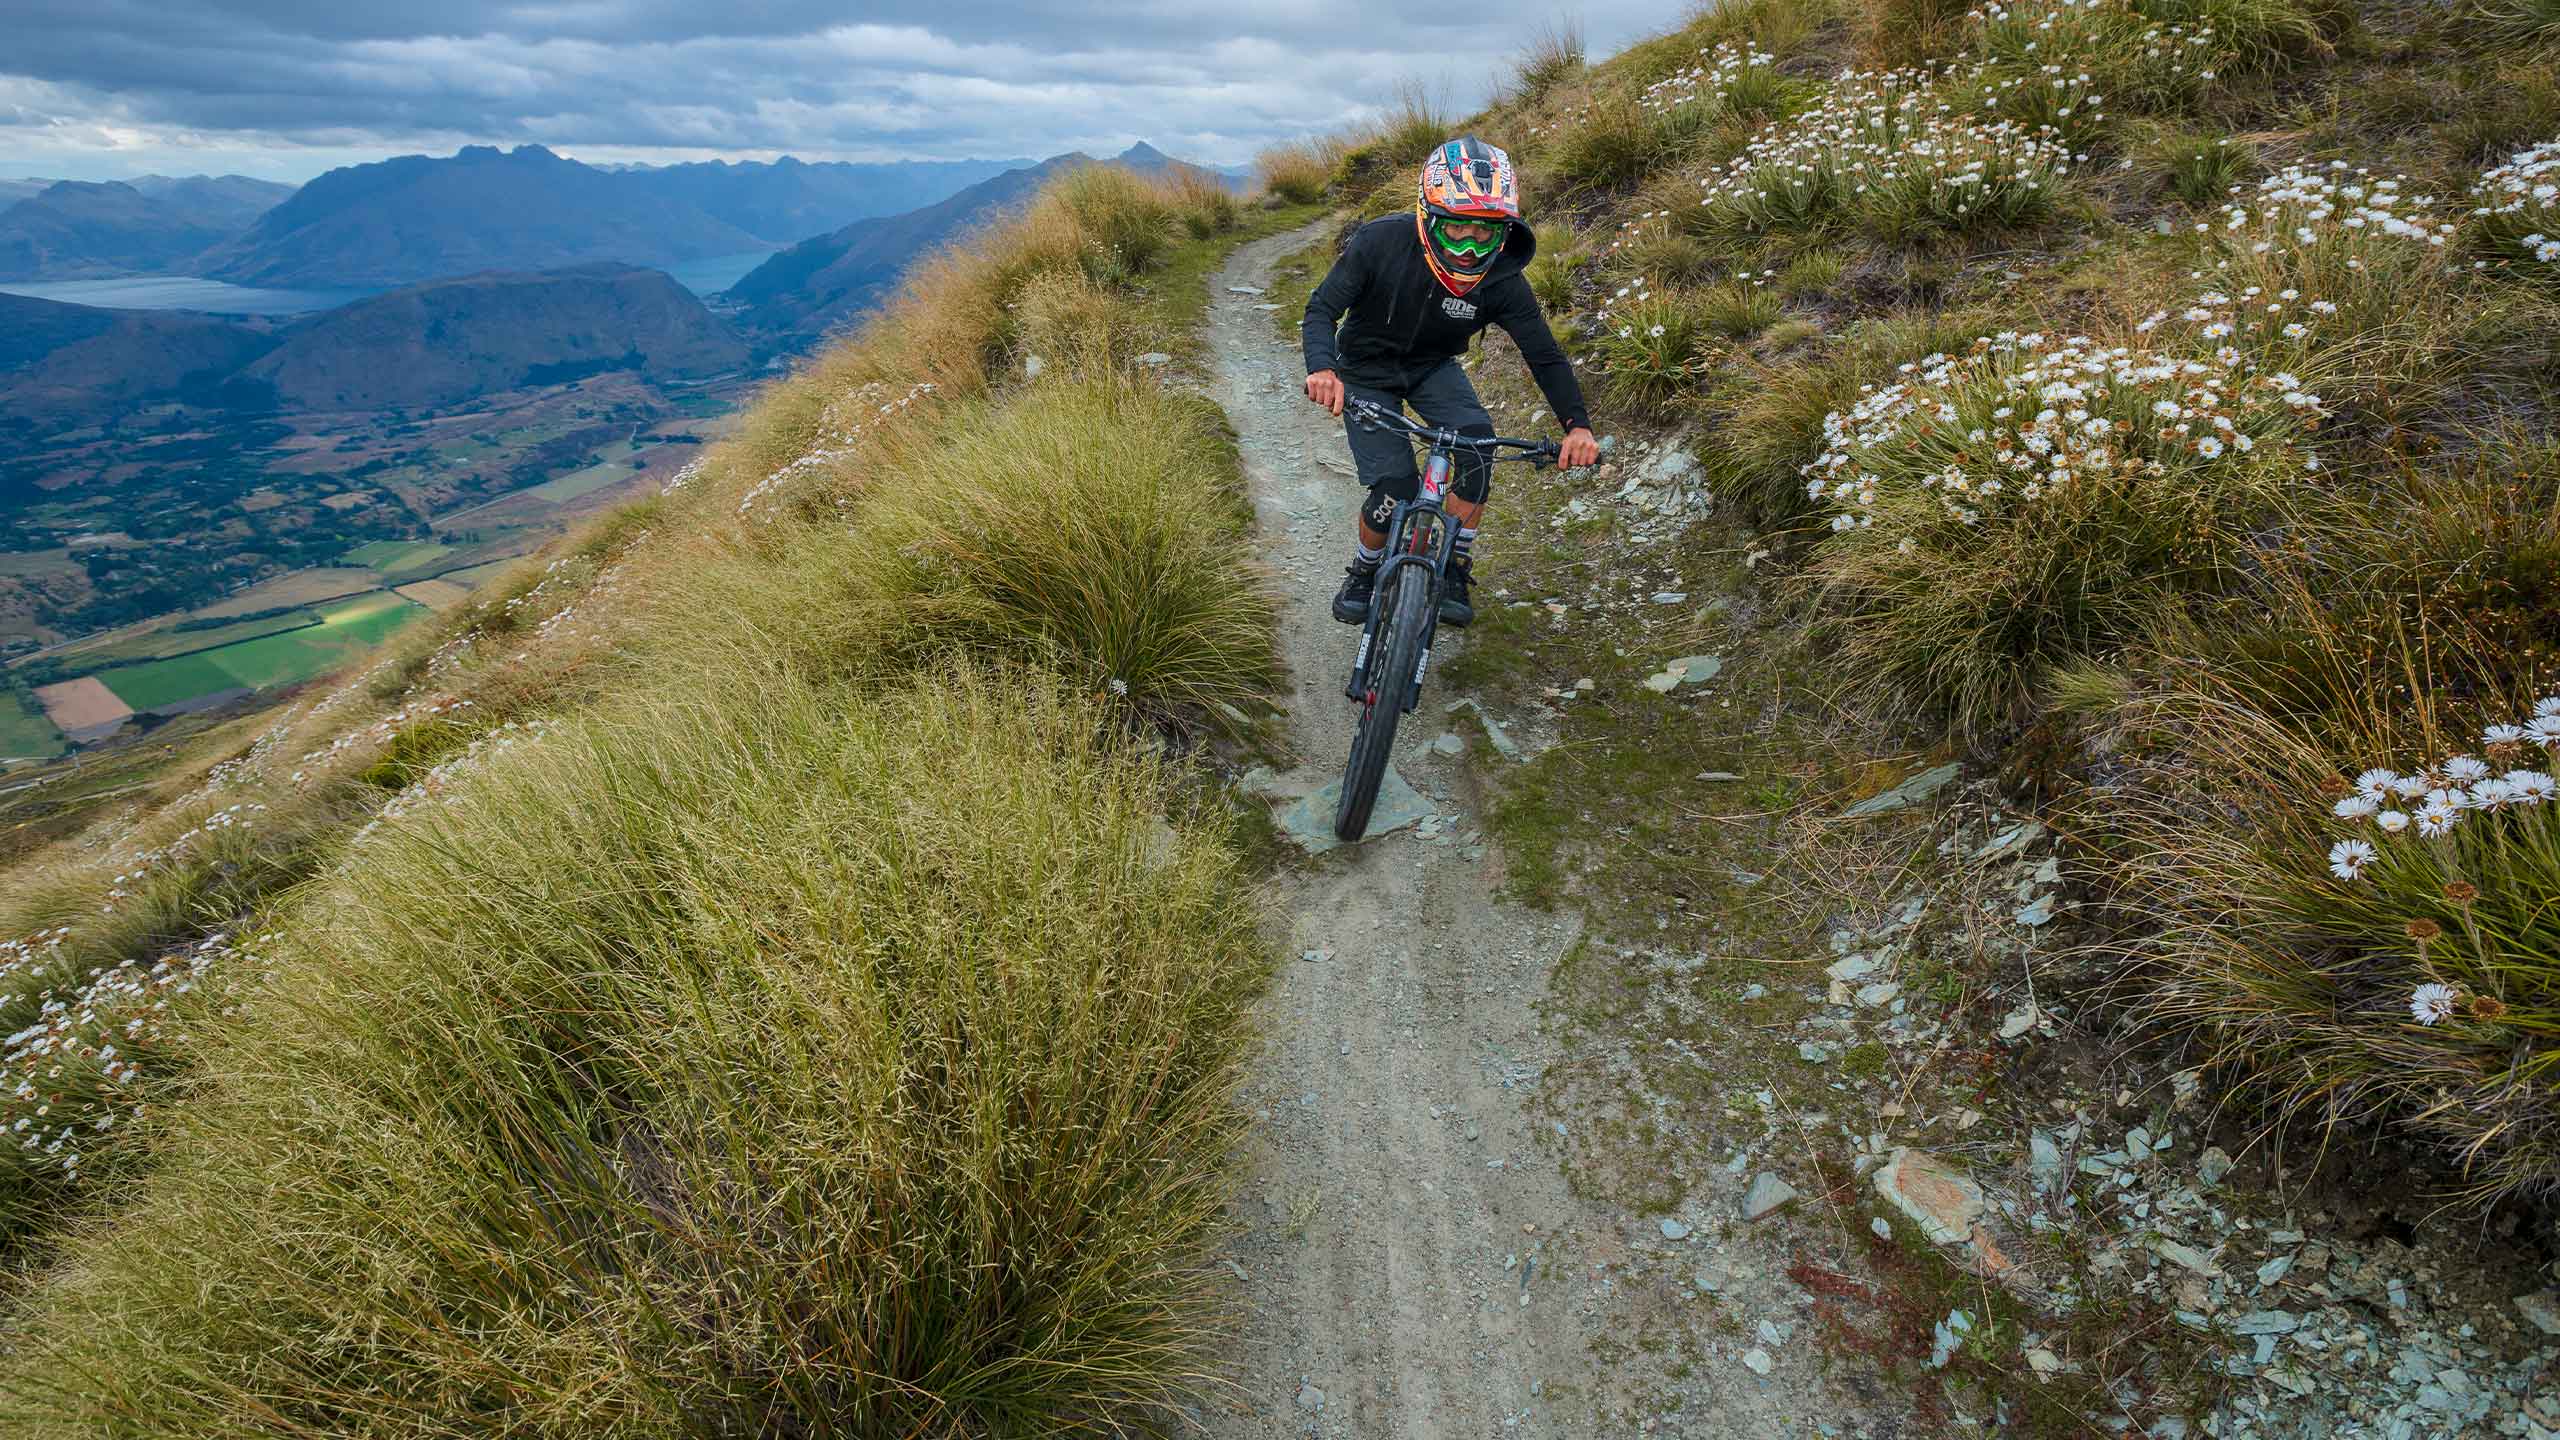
x: 1414, y: 1263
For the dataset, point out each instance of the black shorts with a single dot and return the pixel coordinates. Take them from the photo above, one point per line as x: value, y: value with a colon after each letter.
x: 1388, y: 463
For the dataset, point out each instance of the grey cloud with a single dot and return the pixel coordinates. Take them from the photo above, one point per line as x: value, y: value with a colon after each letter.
x: 954, y: 78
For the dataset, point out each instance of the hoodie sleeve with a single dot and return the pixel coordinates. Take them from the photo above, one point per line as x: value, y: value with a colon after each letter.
x: 1343, y: 285
x: 1522, y: 320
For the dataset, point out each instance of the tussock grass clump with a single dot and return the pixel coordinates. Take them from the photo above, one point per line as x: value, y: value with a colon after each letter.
x: 1622, y: 136
x: 1555, y: 53
x: 1296, y: 173
x: 2033, y: 501
x: 2367, y: 932
x: 1203, y: 203
x: 2200, y: 169
x: 1650, y: 347
x: 1389, y: 148
x: 1560, y: 260
x: 814, y: 1063
x: 2516, y: 210
x: 1092, y: 524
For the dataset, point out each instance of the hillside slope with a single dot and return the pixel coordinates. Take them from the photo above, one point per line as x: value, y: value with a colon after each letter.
x: 450, y: 340
x: 67, y: 361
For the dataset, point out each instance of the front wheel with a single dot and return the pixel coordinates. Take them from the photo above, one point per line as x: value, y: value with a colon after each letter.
x: 1405, y: 612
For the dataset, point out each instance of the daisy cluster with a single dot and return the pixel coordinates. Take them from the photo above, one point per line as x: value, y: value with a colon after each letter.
x: 2304, y: 242
x: 683, y: 479
x: 2070, y: 34
x: 2390, y: 808
x: 839, y: 435
x: 138, y: 866
x: 77, y: 1070
x: 1876, y: 130
x: 2019, y: 419
x: 2522, y: 195
x: 1711, y: 81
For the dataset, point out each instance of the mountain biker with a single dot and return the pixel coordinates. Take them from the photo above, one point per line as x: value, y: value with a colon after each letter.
x: 1418, y: 289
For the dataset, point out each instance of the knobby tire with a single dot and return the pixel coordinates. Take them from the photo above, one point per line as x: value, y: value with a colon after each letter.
x: 1408, y: 598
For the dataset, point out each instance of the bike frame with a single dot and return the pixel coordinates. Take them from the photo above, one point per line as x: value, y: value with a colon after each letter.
x: 1419, y: 535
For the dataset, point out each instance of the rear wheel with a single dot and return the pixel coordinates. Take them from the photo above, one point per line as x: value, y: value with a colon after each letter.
x: 1406, y: 609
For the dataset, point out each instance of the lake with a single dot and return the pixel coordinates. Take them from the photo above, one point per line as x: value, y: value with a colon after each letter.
x: 183, y: 292
x: 705, y: 277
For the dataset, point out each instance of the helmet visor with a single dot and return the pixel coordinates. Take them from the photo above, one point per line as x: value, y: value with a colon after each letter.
x: 1469, y: 240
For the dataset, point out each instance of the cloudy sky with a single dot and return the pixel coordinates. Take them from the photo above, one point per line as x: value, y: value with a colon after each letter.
x: 102, y: 89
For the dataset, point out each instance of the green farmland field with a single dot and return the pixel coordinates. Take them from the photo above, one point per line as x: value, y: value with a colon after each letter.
x: 24, y: 732
x: 399, y: 560
x: 167, y: 682
x: 162, y: 644
x: 347, y: 629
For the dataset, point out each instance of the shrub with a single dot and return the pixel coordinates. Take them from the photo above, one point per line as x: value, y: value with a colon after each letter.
x: 2033, y: 501
x: 1738, y: 310
x: 1814, y: 275
x: 873, y: 1073
x: 1395, y: 143
x: 2367, y: 943
x: 1296, y: 173
x: 1913, y: 32
x: 1884, y: 152
x: 1650, y: 347
x: 1204, y: 202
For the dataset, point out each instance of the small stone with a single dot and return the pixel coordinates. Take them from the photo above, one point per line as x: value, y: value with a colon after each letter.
x: 1156, y: 357
x: 2043, y: 1361
x: 2213, y: 1165
x: 1855, y: 968
x: 2019, y: 1021
x: 1759, y: 1361
x: 1670, y: 597
x: 1767, y: 1196
x: 1716, y: 777
x: 1450, y: 743
x: 1586, y: 685
x: 2541, y: 1310
x: 1714, y: 1278
x: 1315, y: 957
x: 1244, y: 289
x: 2037, y: 911
x: 1238, y: 1271
x: 1673, y: 1229
x: 1880, y: 993
x: 1813, y: 1053
x: 1309, y: 1397
x: 1032, y: 365
x: 2184, y: 1255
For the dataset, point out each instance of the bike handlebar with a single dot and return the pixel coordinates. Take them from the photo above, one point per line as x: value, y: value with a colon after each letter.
x: 1374, y: 416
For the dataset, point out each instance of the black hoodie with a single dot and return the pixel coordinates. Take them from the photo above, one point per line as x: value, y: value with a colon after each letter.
x: 1404, y: 322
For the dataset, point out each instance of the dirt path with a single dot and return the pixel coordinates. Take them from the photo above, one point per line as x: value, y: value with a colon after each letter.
x: 1415, y: 1262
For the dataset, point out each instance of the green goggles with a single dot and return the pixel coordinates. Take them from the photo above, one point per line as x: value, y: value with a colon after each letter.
x: 1484, y: 238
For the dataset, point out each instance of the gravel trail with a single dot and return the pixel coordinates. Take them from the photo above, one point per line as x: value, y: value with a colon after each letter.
x: 1415, y: 1264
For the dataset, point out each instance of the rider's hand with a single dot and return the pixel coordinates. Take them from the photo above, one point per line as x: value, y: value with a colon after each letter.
x: 1325, y: 388
x: 1579, y: 449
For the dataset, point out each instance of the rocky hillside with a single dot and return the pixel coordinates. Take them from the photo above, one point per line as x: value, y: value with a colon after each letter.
x: 450, y: 340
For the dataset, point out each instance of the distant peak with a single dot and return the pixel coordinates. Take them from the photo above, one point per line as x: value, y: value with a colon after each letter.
x: 1143, y: 153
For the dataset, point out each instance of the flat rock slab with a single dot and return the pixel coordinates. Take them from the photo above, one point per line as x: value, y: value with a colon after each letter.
x: 1309, y: 822
x: 1767, y: 1196
x: 1944, y: 1202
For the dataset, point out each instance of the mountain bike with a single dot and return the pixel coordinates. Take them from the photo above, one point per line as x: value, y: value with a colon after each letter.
x: 1395, y: 644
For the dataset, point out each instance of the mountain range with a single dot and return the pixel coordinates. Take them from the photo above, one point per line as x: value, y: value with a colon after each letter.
x: 434, y: 344
x: 75, y: 229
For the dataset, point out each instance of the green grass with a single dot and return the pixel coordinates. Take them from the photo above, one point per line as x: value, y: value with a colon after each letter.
x: 873, y: 1075
x: 169, y: 682
x: 613, y: 464
x: 24, y: 732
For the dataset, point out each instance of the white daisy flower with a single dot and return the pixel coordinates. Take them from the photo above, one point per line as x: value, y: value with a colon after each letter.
x: 2392, y: 822
x: 2502, y: 735
x: 2356, y: 807
x: 2530, y: 787
x: 2432, y: 1002
x: 2465, y: 769
x: 2544, y: 730
x: 2348, y: 858
x: 2435, y: 821
x: 2376, y: 782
